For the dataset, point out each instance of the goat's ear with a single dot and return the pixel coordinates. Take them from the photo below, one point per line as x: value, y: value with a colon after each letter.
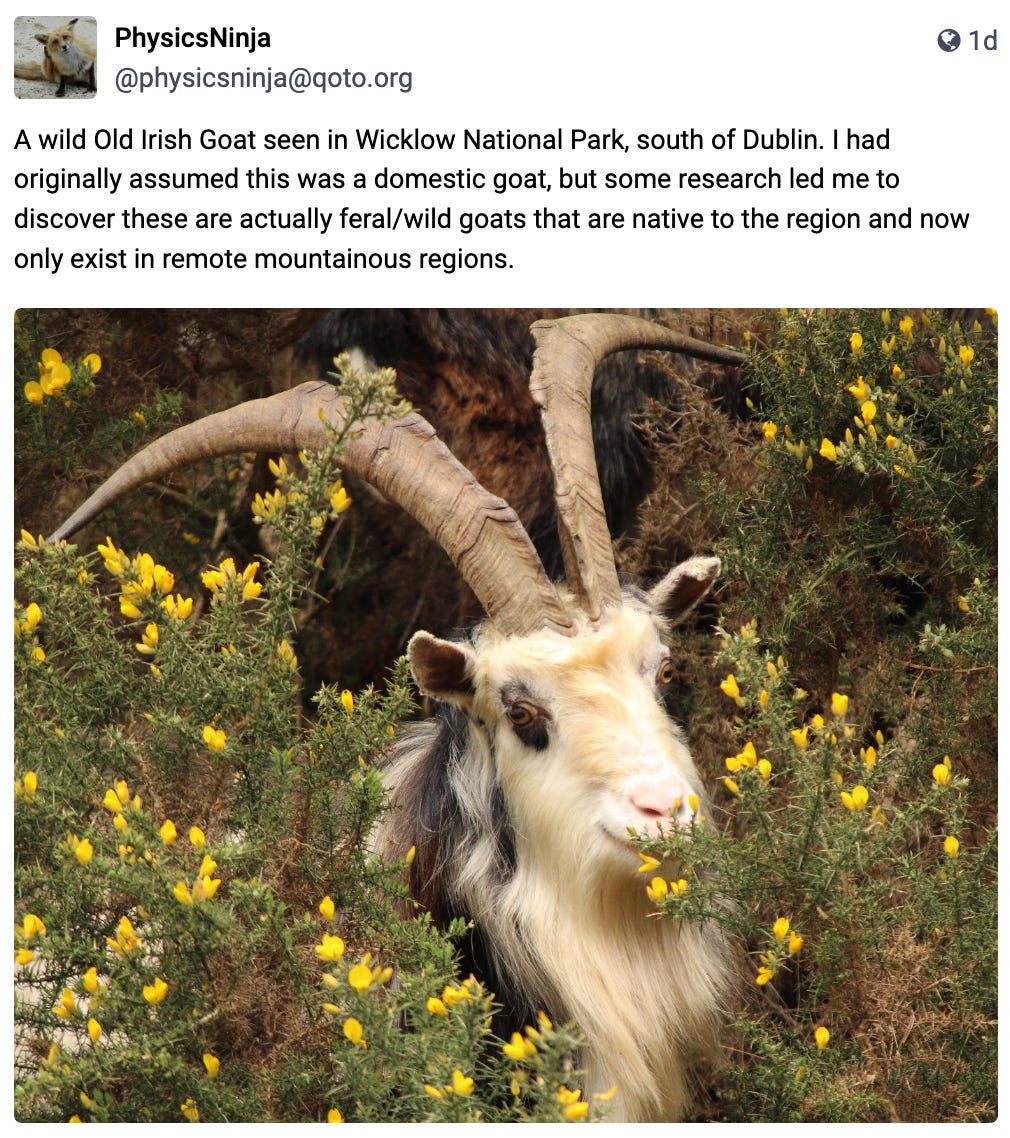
x: 683, y: 587
x: 442, y: 670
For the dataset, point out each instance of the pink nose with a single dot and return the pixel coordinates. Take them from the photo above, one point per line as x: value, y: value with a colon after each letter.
x: 661, y: 802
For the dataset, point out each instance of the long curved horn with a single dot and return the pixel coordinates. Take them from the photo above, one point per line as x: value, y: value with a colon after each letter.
x: 568, y: 351
x: 404, y: 459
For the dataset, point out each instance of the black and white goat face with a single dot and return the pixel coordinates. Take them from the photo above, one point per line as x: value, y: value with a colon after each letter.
x: 575, y: 728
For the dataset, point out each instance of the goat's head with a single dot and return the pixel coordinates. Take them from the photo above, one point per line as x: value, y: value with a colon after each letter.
x: 576, y: 725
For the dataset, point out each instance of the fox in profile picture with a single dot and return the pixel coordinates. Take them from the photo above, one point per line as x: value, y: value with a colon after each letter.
x: 65, y: 57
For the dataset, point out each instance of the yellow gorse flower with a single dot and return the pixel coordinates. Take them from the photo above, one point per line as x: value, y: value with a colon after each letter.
x: 177, y: 607
x: 287, y: 654
x: 857, y: 799
x: 354, y: 1032
x: 214, y: 738
x: 951, y: 845
x: 828, y: 450
x: 31, y: 927
x: 327, y: 907
x: 94, y: 1030
x: 32, y: 617
x: 205, y: 887
x: 212, y: 1063
x: 67, y: 1005
x: 732, y: 689
x: 821, y: 1037
x: 941, y: 772
x: 519, y: 1048
x: 452, y: 995
x: 461, y: 1084
x: 656, y: 890
x: 190, y: 1111
x: 26, y: 788
x: 156, y: 992
x: 125, y: 940
x: 859, y: 391
x: 744, y: 759
x: 149, y: 640
x: 839, y: 704
x: 251, y: 588
x: 856, y: 343
x: 266, y: 507
x: 331, y: 948
x: 572, y: 1108
x: 360, y: 977
x: 339, y: 498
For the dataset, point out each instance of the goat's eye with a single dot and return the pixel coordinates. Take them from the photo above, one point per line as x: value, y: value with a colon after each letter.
x: 666, y: 673
x: 522, y: 714
x: 529, y: 722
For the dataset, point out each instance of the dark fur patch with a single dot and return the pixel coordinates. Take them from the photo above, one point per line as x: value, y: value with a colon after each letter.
x: 515, y: 1009
x: 436, y: 826
x: 442, y: 839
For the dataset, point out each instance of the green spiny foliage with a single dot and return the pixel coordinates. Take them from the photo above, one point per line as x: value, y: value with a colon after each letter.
x: 850, y: 705
x: 853, y: 849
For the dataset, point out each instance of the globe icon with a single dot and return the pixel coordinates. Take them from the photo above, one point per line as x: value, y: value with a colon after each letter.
x: 948, y: 40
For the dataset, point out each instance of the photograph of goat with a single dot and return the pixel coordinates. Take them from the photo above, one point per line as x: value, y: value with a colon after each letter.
x: 539, y: 715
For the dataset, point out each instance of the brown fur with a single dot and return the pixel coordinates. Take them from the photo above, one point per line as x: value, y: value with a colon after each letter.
x: 65, y: 57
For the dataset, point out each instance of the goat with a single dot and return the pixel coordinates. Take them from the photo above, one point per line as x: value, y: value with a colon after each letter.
x: 554, y: 742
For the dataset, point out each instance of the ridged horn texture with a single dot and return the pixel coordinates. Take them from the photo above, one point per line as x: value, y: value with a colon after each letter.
x: 404, y: 459
x: 567, y: 354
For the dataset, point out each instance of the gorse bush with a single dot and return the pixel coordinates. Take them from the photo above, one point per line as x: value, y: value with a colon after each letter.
x: 853, y: 851
x: 191, y: 867
x: 201, y: 933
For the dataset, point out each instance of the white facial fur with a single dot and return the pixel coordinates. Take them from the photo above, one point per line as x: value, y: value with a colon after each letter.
x: 612, y: 759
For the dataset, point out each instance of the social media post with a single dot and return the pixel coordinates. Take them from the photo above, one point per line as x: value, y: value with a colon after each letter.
x: 505, y: 567
x: 222, y: 154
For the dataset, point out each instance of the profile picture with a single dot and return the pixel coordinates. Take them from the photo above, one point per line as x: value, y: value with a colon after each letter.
x: 55, y: 57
